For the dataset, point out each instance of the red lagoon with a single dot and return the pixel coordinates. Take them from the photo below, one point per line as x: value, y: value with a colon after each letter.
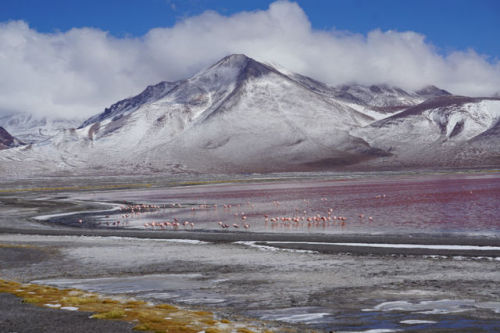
x: 456, y: 203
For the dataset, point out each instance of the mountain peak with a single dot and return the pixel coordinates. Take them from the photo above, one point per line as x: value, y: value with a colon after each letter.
x: 432, y: 91
x: 235, y: 57
x: 243, y: 65
x: 231, y: 61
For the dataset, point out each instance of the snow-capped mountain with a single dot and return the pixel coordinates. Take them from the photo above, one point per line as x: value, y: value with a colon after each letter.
x: 386, y: 98
x: 446, y: 130
x: 240, y: 115
x: 376, y: 101
x: 381, y: 96
x: 7, y: 140
x: 31, y: 129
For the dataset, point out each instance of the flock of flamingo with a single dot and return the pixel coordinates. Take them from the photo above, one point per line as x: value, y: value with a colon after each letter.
x: 299, y: 218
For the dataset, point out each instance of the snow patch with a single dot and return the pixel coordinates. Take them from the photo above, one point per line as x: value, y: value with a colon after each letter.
x: 401, y: 246
x: 69, y: 308
x: 443, y: 306
x: 297, y: 318
x: 52, y: 305
x: 374, y: 330
x: 271, y: 248
x: 417, y: 322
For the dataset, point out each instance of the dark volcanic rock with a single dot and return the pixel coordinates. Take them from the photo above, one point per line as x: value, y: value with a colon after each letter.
x: 432, y: 91
x: 7, y: 140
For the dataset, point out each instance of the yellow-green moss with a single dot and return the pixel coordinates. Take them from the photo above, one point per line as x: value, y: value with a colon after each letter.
x: 16, y: 246
x: 245, y: 330
x: 209, y: 321
x: 167, y: 307
x: 212, y: 330
x: 147, y: 317
x: 142, y: 327
x: 113, y: 314
x: 78, y: 300
x: 31, y: 300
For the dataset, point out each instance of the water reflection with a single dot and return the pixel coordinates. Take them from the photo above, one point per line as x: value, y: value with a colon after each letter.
x: 424, y: 204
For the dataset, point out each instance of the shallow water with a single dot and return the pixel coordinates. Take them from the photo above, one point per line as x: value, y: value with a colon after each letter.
x: 425, y: 204
x: 191, y: 289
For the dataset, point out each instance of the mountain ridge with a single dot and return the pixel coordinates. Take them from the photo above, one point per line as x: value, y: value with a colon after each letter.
x: 240, y: 115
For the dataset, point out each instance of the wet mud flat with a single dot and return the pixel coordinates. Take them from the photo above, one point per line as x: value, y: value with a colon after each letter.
x: 283, y: 275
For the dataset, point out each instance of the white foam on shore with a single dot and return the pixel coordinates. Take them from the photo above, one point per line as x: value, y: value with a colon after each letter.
x: 271, y: 248
x: 52, y: 305
x: 476, y: 258
x: 443, y: 306
x: 495, y: 306
x: 201, y: 300
x: 297, y: 318
x: 375, y: 330
x: 69, y: 308
x: 417, y: 322
x: 83, y: 238
x: 402, y: 246
x: 172, y: 240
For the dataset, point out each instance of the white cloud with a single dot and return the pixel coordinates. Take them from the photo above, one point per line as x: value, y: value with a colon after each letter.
x: 79, y: 72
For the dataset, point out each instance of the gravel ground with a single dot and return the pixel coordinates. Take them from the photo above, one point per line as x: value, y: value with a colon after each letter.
x: 19, y: 317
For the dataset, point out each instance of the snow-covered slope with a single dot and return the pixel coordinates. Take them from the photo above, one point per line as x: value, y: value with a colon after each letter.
x: 445, y: 131
x: 237, y: 115
x: 378, y: 96
x: 150, y: 94
x: 240, y: 115
x: 376, y: 101
x: 268, y: 121
x: 31, y: 129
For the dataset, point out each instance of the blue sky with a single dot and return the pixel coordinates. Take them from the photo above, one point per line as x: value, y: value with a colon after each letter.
x: 448, y: 24
x: 70, y: 58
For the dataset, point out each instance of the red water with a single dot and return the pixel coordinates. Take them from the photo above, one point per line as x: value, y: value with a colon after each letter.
x: 454, y: 203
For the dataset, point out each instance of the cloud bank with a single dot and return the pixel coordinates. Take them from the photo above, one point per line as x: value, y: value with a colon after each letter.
x: 78, y: 72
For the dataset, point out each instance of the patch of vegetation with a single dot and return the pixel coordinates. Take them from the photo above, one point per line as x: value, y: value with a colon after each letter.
x: 113, y: 314
x: 147, y: 316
